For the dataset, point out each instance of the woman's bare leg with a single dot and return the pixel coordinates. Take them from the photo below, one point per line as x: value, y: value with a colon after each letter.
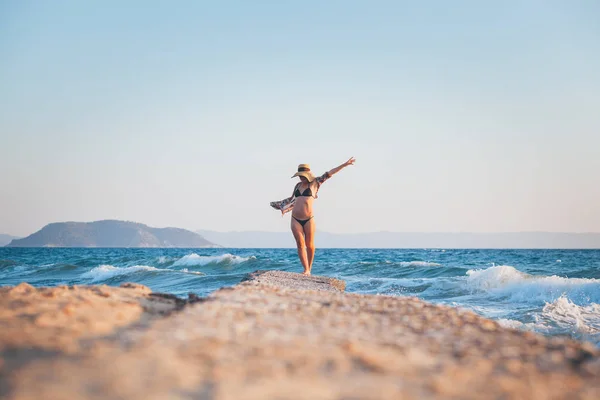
x: 301, y: 244
x: 309, y: 238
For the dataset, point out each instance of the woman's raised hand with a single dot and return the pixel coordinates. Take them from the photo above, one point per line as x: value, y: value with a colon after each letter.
x: 342, y: 166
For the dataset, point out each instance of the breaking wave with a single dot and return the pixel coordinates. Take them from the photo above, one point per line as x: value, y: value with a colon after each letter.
x: 194, y: 259
x: 581, y: 321
x: 507, y: 281
x: 562, y: 316
x: 104, y: 272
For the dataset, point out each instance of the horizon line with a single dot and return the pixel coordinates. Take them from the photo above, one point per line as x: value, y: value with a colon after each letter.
x: 411, y: 232
x: 322, y: 231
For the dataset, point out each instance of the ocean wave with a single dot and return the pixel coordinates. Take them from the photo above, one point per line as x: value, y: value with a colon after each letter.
x: 523, y: 326
x: 65, y: 267
x: 408, y: 282
x: 507, y: 281
x: 570, y: 316
x: 185, y: 270
x: 53, y: 268
x: 104, y: 272
x: 494, y: 277
x: 7, y: 263
x: 403, y: 263
x: 562, y: 316
x: 419, y: 264
x: 194, y: 259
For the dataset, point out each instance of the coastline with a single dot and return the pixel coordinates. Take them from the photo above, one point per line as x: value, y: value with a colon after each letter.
x: 274, y: 335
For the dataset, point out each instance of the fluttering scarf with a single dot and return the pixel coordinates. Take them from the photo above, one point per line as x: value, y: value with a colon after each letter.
x: 286, y: 205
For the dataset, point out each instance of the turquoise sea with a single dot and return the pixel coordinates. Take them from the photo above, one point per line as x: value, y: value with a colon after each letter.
x: 554, y: 292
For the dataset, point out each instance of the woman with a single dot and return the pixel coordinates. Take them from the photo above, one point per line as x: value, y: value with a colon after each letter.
x: 300, y: 204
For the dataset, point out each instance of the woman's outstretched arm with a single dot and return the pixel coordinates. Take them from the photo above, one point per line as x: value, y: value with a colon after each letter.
x: 339, y: 168
x: 335, y: 170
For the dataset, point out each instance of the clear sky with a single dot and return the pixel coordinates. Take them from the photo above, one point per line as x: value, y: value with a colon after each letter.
x: 463, y: 115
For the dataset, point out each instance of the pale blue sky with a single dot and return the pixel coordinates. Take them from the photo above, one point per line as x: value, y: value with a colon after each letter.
x: 463, y: 116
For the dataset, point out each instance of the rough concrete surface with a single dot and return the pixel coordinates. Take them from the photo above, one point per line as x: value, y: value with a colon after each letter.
x: 264, y: 339
x: 294, y: 281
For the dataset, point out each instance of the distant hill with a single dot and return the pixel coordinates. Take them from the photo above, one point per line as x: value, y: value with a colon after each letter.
x: 110, y: 233
x: 5, y: 239
x: 510, y: 240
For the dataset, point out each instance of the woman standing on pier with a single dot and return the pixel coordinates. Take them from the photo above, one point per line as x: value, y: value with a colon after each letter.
x: 300, y: 204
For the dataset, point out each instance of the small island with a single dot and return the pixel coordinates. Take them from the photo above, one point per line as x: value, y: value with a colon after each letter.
x: 110, y: 233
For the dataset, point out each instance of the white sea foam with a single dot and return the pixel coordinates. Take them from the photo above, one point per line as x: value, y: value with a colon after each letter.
x: 191, y: 272
x: 529, y: 326
x: 195, y: 260
x: 568, y: 315
x: 104, y: 272
x: 562, y: 316
x: 494, y: 277
x: 419, y: 264
x: 510, y: 323
x: 507, y: 281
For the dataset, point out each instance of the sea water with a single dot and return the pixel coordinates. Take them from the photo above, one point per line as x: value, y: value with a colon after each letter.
x: 553, y: 292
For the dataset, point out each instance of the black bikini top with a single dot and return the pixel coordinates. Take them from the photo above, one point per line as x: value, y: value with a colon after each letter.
x: 307, y: 192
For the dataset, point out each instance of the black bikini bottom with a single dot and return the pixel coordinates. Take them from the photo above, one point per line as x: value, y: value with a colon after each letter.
x: 302, y: 221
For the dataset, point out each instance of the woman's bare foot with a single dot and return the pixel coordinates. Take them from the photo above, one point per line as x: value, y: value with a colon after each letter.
x: 306, y: 273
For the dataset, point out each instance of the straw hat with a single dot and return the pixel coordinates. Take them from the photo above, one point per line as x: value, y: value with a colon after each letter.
x: 304, y: 170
